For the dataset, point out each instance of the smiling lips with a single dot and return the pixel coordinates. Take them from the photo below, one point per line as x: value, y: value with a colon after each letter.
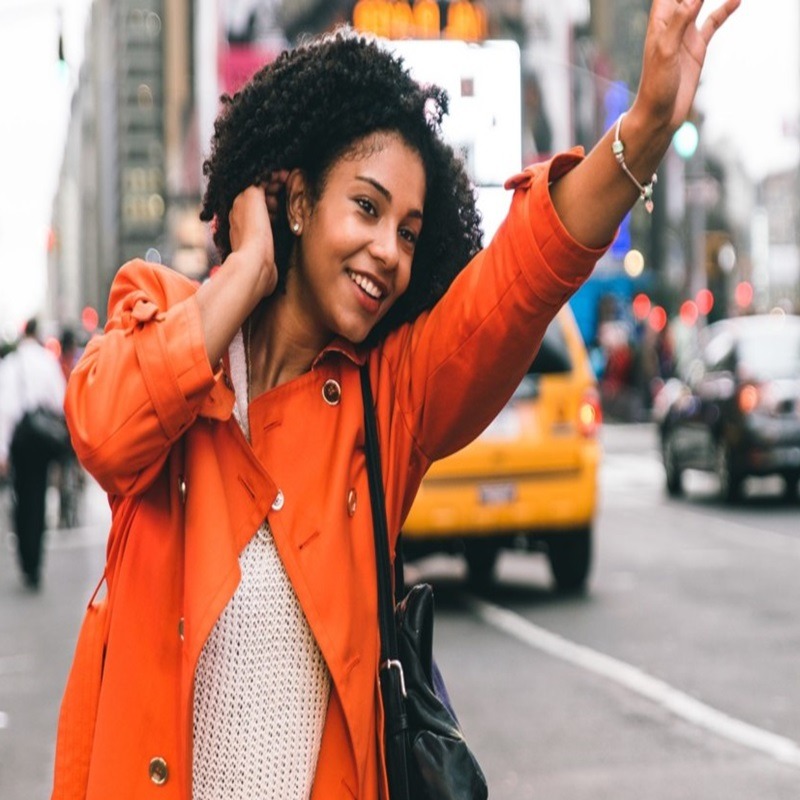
x: 367, y: 285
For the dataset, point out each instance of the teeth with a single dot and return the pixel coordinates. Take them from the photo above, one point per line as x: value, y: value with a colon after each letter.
x: 365, y: 284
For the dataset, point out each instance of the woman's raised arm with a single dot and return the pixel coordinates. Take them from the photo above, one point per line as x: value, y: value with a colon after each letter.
x: 593, y: 198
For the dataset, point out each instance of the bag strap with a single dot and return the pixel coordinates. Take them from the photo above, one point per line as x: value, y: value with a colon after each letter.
x: 380, y: 528
x: 392, y: 681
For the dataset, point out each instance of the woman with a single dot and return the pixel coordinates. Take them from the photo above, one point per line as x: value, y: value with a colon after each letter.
x: 225, y: 421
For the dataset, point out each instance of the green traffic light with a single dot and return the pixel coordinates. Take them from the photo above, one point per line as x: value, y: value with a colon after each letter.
x: 686, y: 139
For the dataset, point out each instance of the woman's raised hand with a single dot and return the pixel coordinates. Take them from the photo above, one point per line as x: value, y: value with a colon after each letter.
x: 593, y: 198
x: 251, y: 228
x: 674, y: 53
x: 249, y: 272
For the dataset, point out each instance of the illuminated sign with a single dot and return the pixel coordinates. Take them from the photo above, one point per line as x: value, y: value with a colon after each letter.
x: 399, y: 19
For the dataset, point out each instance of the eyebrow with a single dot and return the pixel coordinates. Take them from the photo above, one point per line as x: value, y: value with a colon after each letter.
x: 386, y: 193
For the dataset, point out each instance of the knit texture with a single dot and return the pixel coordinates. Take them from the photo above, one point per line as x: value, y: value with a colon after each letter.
x: 261, y: 683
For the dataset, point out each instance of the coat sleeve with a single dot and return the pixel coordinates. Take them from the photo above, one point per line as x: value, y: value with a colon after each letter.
x: 140, y: 385
x: 457, y: 365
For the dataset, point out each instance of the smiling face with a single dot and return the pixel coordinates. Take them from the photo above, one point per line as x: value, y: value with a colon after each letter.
x: 357, y: 240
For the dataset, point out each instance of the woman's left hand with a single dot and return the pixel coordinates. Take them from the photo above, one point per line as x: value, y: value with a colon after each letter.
x: 674, y: 52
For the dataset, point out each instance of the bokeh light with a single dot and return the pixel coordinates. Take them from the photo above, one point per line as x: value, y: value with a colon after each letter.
x: 657, y: 319
x: 743, y: 294
x: 633, y: 263
x: 705, y: 301
x: 641, y: 306
x: 689, y: 313
x: 90, y: 319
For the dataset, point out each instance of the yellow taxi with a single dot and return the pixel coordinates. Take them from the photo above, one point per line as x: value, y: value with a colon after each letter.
x: 529, y: 481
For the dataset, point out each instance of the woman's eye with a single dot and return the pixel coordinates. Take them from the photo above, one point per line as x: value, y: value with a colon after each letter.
x: 409, y: 235
x: 367, y: 206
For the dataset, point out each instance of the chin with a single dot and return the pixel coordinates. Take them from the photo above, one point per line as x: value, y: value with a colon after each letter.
x: 355, y: 337
x: 357, y: 332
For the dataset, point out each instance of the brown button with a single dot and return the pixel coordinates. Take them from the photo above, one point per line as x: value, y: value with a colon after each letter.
x: 331, y: 392
x: 180, y: 628
x: 158, y: 771
x: 352, y: 499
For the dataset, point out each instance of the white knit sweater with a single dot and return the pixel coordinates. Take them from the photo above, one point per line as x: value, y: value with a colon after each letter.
x: 261, y: 684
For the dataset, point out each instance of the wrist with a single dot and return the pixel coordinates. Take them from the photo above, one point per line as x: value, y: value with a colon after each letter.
x: 252, y: 268
x: 647, y: 154
x: 649, y: 132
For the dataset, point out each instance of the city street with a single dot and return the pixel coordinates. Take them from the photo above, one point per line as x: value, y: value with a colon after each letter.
x: 674, y: 678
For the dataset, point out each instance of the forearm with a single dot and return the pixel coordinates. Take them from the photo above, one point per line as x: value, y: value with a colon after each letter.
x: 226, y: 301
x: 592, y: 199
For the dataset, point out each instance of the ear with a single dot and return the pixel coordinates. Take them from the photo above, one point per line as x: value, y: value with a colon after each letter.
x: 298, y: 201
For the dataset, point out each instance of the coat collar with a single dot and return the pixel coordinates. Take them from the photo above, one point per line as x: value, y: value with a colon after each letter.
x: 355, y: 353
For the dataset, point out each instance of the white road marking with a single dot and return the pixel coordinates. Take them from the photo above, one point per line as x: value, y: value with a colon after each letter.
x: 682, y: 705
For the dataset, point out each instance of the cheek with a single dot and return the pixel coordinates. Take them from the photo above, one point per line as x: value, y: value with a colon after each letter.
x: 404, y: 277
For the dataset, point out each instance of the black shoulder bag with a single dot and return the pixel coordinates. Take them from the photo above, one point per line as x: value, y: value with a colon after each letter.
x: 426, y: 755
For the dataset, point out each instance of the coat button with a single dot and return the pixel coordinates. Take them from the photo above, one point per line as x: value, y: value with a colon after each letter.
x: 158, y: 771
x: 182, y: 489
x: 180, y: 628
x: 352, y: 499
x: 331, y: 392
x: 277, y: 503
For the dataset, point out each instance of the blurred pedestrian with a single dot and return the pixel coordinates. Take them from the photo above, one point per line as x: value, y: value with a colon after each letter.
x: 68, y: 356
x: 30, y: 380
x: 240, y: 657
x: 71, y: 478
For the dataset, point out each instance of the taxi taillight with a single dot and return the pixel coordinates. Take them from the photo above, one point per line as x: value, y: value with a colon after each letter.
x: 590, y: 413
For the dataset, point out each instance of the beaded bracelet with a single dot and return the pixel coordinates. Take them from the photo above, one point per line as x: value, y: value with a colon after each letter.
x: 618, y: 148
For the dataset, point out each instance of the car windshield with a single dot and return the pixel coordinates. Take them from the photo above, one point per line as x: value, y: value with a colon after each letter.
x: 770, y: 353
x: 553, y: 358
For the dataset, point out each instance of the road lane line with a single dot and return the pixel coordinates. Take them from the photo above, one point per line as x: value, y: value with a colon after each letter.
x: 680, y: 704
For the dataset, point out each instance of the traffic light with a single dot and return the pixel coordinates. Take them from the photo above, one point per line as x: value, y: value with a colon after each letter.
x: 686, y: 139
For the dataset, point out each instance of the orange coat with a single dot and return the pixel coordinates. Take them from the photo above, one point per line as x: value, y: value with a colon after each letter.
x: 151, y: 420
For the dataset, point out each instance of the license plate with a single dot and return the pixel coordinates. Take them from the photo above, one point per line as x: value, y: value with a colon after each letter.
x: 494, y: 494
x: 504, y: 427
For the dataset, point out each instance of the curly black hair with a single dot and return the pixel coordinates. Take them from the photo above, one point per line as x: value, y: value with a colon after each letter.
x: 316, y: 103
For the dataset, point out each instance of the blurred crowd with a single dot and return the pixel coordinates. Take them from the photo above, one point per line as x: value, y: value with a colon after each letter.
x: 35, y: 450
x: 632, y: 362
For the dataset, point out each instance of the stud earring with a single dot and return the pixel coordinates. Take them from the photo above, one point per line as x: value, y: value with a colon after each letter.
x: 296, y: 227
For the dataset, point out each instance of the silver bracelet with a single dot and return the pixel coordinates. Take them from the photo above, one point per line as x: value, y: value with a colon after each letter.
x: 646, y: 190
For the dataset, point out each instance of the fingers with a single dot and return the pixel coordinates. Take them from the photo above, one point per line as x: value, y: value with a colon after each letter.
x: 275, y: 182
x: 717, y: 18
x: 678, y: 15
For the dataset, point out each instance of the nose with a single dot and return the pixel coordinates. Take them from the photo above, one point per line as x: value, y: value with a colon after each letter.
x: 384, y: 246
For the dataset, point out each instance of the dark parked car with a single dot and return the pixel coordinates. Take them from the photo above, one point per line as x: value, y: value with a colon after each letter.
x: 737, y: 412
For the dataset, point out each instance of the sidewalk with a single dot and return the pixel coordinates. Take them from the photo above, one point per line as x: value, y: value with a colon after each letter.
x: 37, y: 638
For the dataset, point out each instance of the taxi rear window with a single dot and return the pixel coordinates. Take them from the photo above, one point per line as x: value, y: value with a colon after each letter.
x: 553, y: 355
x: 553, y: 358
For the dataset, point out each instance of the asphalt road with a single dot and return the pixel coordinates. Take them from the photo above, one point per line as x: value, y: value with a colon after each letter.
x: 675, y: 677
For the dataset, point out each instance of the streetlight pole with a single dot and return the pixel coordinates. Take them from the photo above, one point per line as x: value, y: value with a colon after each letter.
x: 696, y: 219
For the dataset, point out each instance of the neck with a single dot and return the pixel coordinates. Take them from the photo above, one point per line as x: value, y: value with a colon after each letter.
x: 282, y: 344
